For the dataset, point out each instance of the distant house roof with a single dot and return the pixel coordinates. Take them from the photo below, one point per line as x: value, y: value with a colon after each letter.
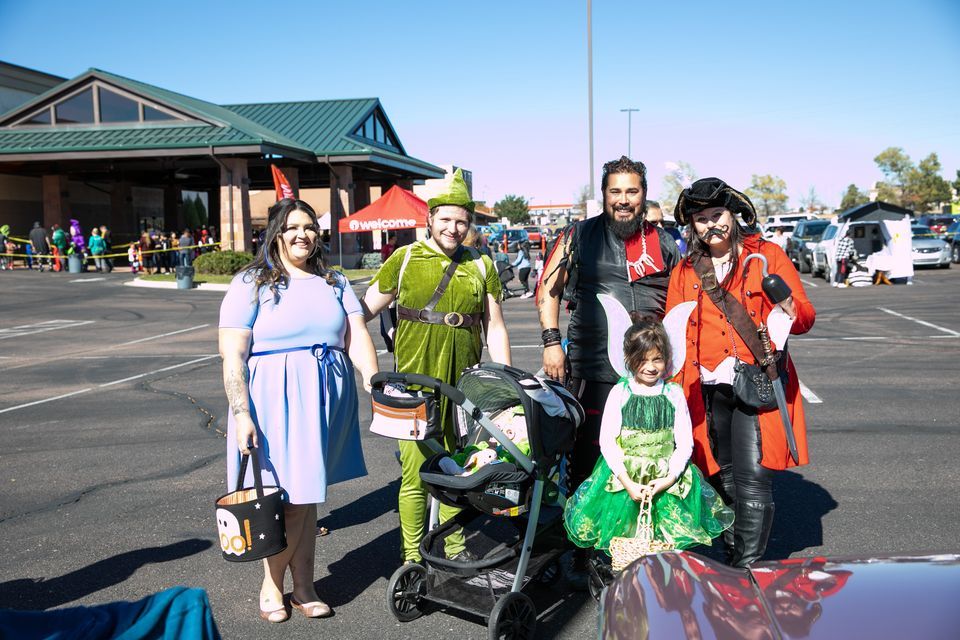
x: 354, y: 129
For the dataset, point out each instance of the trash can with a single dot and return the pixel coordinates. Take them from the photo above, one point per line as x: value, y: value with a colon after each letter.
x: 74, y: 263
x: 185, y: 277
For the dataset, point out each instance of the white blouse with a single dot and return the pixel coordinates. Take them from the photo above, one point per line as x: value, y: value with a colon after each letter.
x: 612, y: 422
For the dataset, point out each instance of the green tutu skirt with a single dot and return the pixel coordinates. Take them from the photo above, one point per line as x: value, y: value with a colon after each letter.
x: 687, y: 514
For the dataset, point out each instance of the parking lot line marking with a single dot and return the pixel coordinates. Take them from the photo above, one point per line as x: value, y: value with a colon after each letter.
x: 41, y: 327
x: 36, y: 402
x: 810, y: 396
x: 923, y: 322
x: 138, y: 356
x: 87, y: 279
x: 150, y: 373
x: 163, y: 335
x: 809, y: 283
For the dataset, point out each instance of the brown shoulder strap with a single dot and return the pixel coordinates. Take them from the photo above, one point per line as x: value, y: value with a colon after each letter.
x: 445, y: 281
x: 737, y: 315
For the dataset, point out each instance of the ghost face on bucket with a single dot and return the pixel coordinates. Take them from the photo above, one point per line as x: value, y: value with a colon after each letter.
x: 232, y: 539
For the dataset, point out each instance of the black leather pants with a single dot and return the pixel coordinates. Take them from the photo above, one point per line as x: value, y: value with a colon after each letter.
x: 586, y: 447
x: 743, y: 483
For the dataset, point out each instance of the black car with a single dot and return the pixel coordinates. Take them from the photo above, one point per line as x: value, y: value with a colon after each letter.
x: 800, y: 245
x: 952, y: 237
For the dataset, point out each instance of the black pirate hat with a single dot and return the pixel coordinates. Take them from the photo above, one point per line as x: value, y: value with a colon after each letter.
x: 713, y: 192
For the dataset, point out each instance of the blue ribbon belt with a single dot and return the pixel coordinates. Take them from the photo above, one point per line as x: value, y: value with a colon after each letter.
x: 323, y: 354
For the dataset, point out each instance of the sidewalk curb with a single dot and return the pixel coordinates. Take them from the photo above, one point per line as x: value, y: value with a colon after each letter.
x: 150, y: 284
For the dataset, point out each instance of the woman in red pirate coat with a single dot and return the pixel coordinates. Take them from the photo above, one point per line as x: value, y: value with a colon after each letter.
x: 738, y: 445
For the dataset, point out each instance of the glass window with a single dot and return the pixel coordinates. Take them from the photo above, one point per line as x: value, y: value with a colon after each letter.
x: 379, y: 133
x: 116, y: 108
x: 151, y: 115
x: 41, y: 117
x: 368, y: 128
x: 75, y: 110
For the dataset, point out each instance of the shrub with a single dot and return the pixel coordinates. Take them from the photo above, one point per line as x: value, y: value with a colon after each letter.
x: 225, y: 263
x: 371, y: 261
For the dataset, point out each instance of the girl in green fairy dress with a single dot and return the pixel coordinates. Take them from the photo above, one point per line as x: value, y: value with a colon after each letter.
x: 646, y: 442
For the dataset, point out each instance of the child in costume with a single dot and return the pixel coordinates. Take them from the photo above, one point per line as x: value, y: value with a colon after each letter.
x: 133, y: 255
x: 646, y: 441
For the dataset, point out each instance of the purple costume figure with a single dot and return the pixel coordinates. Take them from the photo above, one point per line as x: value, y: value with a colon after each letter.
x: 76, y: 235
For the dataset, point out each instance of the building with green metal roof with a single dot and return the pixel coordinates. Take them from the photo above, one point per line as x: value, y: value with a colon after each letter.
x: 113, y: 138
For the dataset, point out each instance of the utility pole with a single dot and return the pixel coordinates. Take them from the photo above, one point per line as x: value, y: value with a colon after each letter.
x: 590, y: 90
x: 629, y: 131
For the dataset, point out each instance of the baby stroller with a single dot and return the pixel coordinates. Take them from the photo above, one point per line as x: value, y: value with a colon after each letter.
x: 512, y: 514
x: 506, y: 273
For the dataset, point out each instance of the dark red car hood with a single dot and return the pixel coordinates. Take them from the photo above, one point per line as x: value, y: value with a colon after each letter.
x: 684, y: 595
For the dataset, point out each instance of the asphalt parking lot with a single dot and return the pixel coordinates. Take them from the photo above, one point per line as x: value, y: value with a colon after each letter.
x: 112, y: 410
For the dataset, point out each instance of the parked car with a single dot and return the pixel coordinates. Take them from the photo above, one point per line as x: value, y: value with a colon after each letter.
x: 514, y: 238
x: 928, y: 249
x: 769, y: 229
x: 822, y: 253
x: 952, y: 238
x: 800, y: 246
x: 680, y: 595
x: 937, y: 222
x: 535, y: 235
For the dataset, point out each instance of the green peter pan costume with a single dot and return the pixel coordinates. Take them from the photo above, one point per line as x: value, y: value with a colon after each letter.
x: 437, y: 350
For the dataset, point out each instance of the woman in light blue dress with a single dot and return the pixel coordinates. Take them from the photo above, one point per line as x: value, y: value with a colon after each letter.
x: 290, y: 331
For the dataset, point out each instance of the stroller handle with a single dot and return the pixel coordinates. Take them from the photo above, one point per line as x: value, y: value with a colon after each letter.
x: 421, y: 380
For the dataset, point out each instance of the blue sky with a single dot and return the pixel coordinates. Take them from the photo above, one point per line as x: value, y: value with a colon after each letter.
x: 808, y: 91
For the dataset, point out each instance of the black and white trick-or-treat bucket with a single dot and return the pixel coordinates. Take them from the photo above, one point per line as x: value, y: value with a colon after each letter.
x: 250, y: 520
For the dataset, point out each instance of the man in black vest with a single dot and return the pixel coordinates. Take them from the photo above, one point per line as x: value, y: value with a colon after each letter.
x: 616, y: 253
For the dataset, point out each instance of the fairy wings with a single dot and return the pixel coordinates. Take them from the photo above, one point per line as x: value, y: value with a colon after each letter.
x: 675, y: 324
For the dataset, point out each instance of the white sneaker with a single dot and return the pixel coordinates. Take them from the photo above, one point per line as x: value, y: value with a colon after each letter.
x: 528, y: 294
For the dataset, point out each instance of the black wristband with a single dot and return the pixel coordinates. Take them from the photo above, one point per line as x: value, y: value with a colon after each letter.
x: 551, y: 337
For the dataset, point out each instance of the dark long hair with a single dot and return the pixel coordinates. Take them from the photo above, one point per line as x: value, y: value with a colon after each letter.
x: 267, y: 269
x: 642, y: 338
x: 696, y: 245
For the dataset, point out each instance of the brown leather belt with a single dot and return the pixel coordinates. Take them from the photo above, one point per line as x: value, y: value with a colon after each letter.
x: 448, y: 318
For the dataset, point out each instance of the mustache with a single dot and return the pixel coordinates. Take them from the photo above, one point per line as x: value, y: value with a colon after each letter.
x: 720, y: 232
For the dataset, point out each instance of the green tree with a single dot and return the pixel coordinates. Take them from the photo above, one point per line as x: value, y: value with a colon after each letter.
x: 513, y: 208
x: 924, y: 187
x: 769, y: 195
x: 680, y: 176
x: 895, y: 165
x: 853, y: 197
x: 956, y: 183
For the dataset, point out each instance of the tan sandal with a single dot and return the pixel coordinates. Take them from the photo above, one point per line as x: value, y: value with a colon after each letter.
x: 315, y: 609
x: 272, y: 616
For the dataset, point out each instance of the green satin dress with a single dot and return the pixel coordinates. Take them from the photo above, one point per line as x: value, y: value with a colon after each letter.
x: 687, y: 514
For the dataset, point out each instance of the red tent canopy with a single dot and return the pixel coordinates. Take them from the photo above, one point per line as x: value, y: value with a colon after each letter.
x: 396, y: 209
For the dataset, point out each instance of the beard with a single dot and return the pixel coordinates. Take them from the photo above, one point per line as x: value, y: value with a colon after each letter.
x: 623, y: 229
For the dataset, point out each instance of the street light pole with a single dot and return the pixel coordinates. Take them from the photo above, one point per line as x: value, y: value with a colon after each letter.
x: 629, y: 131
x: 590, y: 89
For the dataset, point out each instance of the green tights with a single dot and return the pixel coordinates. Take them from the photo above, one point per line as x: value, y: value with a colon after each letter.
x: 413, y: 504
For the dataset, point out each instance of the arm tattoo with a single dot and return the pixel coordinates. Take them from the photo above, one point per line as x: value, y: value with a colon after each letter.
x: 237, y: 390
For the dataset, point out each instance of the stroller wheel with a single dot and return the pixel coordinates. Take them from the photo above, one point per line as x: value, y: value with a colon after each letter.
x: 599, y: 575
x: 405, y: 592
x: 513, y: 618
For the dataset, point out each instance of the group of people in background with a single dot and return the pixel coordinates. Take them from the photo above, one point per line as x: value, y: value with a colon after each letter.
x: 154, y: 252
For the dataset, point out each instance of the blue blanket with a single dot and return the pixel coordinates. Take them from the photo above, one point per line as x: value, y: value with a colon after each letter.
x: 172, y: 614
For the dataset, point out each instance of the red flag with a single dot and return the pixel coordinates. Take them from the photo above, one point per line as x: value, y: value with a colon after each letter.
x: 281, y: 184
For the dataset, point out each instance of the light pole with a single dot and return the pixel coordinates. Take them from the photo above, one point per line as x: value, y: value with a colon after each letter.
x: 590, y: 88
x: 629, y: 130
